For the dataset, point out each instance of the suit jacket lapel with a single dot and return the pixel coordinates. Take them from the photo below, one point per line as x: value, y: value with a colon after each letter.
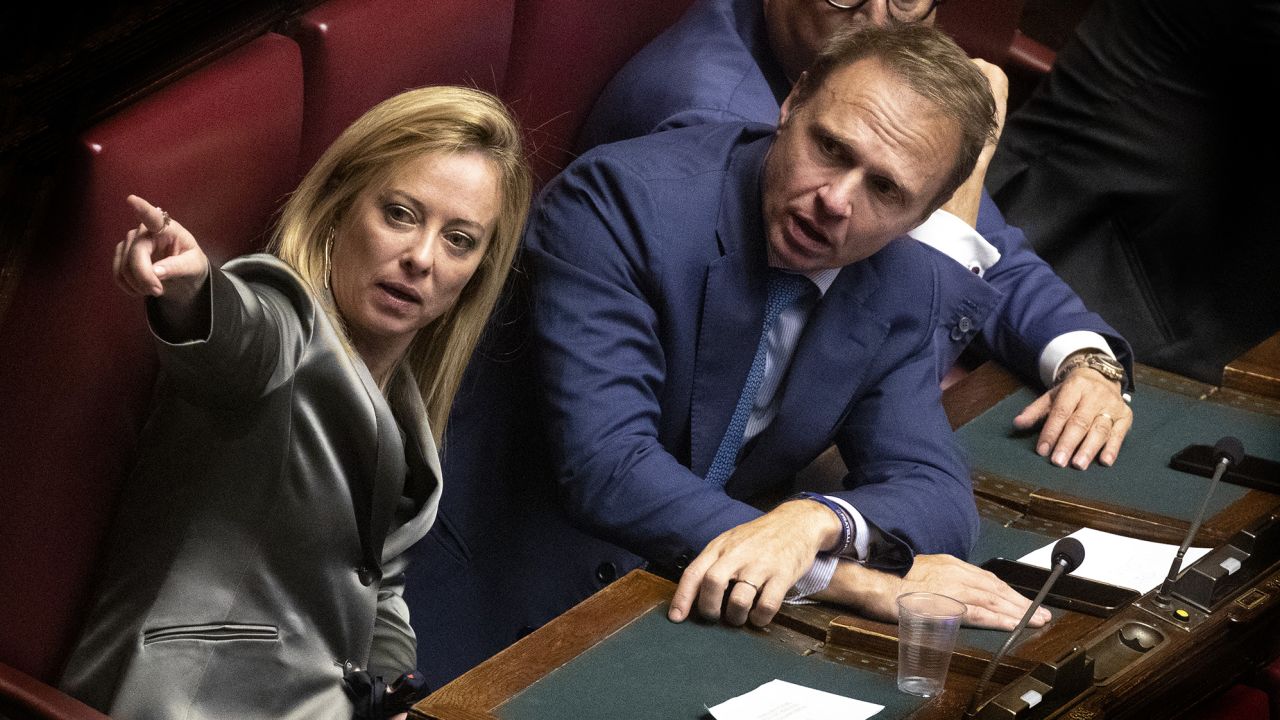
x: 423, y: 464
x: 829, y: 364
x: 732, y: 307
x: 375, y: 502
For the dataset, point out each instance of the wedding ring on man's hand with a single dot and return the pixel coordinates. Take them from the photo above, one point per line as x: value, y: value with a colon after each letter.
x: 165, y: 224
x: 753, y: 585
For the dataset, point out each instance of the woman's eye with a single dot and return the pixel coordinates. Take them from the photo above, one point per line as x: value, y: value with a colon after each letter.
x: 399, y: 214
x: 461, y: 240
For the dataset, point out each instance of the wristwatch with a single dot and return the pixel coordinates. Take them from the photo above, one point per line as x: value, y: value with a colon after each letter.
x: 1110, y: 369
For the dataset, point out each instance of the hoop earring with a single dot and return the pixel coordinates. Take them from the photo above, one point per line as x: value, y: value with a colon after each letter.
x: 328, y: 252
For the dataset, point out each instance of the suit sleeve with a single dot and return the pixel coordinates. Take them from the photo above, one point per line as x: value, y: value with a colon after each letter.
x: 1037, y: 305
x: 261, y: 318
x: 907, y: 476
x: 602, y: 367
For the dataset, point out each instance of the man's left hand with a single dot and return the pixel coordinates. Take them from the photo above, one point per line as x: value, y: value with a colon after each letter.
x: 1083, y: 414
x: 756, y: 563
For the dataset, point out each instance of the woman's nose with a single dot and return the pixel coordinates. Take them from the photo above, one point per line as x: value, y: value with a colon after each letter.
x: 420, y: 255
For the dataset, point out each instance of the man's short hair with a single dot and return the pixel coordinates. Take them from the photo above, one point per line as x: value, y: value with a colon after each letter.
x: 933, y: 66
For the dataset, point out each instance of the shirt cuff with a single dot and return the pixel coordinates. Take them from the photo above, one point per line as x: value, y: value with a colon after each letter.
x: 953, y: 237
x: 814, y: 581
x: 1064, y: 345
x: 862, y: 535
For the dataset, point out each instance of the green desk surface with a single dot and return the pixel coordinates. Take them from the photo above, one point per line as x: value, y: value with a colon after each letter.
x: 1164, y: 423
x: 996, y: 540
x: 653, y: 668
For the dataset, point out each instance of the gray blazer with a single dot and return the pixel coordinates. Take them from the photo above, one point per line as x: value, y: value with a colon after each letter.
x: 259, y: 548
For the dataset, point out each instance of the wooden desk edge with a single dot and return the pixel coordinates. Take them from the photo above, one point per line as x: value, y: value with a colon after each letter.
x: 499, y: 678
x: 1257, y: 371
x: 978, y: 392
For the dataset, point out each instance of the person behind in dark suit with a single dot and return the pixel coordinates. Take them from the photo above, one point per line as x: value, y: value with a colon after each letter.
x: 1143, y: 169
x: 715, y: 306
x: 736, y: 60
x: 258, y: 557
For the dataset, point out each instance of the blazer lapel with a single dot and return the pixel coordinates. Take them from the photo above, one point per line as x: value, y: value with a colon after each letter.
x: 732, y: 313
x: 728, y: 333
x: 423, y: 464
x: 375, y: 503
x: 829, y: 364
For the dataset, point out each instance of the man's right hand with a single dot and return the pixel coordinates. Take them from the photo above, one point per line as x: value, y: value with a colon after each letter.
x: 990, y: 603
x: 745, y: 572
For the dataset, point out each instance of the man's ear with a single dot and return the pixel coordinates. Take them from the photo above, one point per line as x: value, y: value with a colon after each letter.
x: 786, y: 103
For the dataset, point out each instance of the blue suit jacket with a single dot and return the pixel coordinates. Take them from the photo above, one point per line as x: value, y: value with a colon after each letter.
x: 648, y: 261
x: 714, y: 65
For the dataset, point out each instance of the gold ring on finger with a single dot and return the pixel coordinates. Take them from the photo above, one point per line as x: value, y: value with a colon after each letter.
x: 165, y: 217
x: 1107, y: 415
x: 745, y: 582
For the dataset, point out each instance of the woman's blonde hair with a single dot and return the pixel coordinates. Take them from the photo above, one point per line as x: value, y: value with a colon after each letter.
x: 366, y: 155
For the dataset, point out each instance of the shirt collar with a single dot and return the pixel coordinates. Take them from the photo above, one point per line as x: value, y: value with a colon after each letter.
x: 821, y: 278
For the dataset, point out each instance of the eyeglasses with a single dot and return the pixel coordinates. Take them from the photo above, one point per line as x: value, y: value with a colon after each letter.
x: 900, y: 10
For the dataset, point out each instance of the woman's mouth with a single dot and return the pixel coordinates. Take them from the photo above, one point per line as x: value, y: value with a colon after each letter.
x: 401, y: 292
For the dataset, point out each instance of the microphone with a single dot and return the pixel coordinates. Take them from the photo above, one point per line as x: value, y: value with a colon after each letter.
x: 1067, y: 555
x: 1229, y: 451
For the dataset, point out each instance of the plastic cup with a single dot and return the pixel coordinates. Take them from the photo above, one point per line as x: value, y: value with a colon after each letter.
x: 927, y: 627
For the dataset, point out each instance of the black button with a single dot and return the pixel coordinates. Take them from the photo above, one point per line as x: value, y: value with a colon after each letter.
x: 365, y: 575
x: 606, y: 573
x: 683, y: 560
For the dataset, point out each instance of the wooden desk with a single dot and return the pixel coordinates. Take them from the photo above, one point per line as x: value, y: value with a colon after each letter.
x: 1193, y: 661
x: 1257, y: 371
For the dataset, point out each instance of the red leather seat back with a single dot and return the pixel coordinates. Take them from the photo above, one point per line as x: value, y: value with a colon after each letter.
x: 217, y: 150
x: 984, y: 28
x: 356, y: 53
x: 563, y: 53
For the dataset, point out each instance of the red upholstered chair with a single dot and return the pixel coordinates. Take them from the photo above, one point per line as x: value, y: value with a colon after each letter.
x: 563, y: 52
x: 356, y: 53
x: 988, y: 29
x: 1238, y: 702
x: 217, y: 149
x: 984, y: 28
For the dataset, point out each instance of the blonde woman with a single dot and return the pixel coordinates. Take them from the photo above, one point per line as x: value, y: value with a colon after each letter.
x: 290, y: 460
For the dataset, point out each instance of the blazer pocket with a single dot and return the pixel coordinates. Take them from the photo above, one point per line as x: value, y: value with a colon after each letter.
x: 212, y: 632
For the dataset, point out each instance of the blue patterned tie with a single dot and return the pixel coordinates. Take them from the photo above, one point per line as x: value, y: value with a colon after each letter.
x: 784, y: 289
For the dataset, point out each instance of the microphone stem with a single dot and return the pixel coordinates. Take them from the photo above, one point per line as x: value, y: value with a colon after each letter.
x: 1058, y: 567
x: 1167, y: 586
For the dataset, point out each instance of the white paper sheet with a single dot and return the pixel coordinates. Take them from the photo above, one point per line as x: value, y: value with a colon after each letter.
x: 781, y: 700
x: 1119, y: 560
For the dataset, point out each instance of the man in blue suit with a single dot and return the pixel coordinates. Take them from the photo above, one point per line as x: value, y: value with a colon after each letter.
x: 715, y: 306
x: 735, y: 60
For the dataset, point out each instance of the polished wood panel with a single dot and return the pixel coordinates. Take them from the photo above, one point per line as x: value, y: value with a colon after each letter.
x: 1257, y: 371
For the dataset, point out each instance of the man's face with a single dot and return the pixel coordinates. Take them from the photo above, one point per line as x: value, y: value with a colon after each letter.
x: 798, y: 29
x: 857, y: 165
